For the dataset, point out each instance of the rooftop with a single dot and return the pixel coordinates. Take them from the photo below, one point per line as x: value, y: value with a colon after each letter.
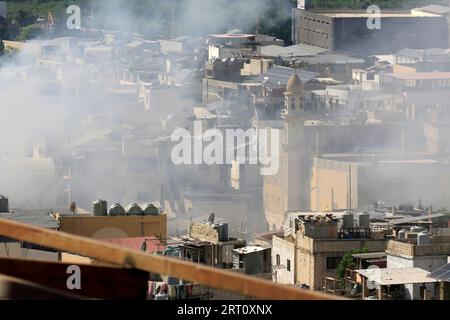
x: 153, y: 243
x: 310, y: 54
x: 442, y: 273
x: 249, y: 249
x: 415, y: 219
x: 384, y: 14
x: 421, y: 75
x: 393, y: 276
x: 281, y: 75
x: 371, y: 255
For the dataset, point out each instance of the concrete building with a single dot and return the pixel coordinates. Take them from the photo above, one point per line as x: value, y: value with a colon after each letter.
x: 209, y: 243
x: 413, y: 251
x: 226, y: 46
x: 337, y: 180
x: 426, y: 93
x: 347, y: 30
x: 313, y: 248
x: 253, y: 260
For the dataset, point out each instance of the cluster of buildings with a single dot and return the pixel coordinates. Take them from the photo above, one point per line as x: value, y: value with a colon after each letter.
x: 363, y: 115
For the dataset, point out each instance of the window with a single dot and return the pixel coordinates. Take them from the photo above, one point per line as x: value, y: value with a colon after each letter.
x: 333, y: 262
x: 293, y: 104
x: 278, y: 260
x: 288, y: 265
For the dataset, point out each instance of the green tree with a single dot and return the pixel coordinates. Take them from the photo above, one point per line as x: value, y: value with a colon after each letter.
x: 30, y: 32
x: 347, y: 262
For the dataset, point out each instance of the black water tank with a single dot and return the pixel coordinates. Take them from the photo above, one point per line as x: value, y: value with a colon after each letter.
x: 4, y: 204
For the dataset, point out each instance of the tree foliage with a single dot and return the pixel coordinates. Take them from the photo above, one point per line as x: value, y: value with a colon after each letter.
x: 347, y: 262
x: 30, y: 32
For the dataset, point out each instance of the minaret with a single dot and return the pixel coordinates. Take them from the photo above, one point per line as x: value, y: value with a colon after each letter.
x: 296, y: 169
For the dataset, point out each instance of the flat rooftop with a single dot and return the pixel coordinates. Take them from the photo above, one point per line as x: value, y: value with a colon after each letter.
x: 395, y: 276
x: 420, y: 75
x: 383, y: 14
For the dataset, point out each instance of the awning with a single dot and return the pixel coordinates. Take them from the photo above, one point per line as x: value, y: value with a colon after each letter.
x: 395, y: 276
x: 371, y: 255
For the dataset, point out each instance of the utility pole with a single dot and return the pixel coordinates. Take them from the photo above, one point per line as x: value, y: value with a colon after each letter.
x: 350, y: 185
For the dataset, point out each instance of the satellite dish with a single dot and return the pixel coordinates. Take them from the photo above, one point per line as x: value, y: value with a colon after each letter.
x: 211, y: 218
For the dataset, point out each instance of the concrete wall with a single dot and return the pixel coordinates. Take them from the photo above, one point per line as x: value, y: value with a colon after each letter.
x: 274, y: 197
x: 285, y: 249
x: 312, y: 29
x: 390, y: 181
x: 330, y: 185
x: 312, y: 256
x: 429, y: 263
x: 115, y: 227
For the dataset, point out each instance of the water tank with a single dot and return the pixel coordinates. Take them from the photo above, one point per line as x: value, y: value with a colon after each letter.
x: 347, y: 220
x: 364, y: 220
x: 416, y: 229
x: 423, y: 238
x: 161, y: 296
x: 402, y: 234
x: 116, y: 210
x: 150, y: 210
x: 4, y: 204
x: 100, y: 208
x: 225, y: 236
x: 134, y: 210
x: 219, y: 229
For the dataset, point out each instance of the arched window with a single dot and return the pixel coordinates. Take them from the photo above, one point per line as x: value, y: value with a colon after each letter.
x: 293, y: 104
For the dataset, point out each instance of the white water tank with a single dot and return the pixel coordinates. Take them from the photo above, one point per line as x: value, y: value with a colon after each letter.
x: 402, y: 234
x: 423, y: 238
x: 416, y: 229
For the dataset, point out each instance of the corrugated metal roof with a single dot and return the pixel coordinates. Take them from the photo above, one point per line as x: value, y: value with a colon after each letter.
x: 298, y: 50
x: 442, y: 273
x: 414, y: 219
x: 37, y: 217
x: 332, y: 57
x: 310, y: 54
x: 280, y: 75
x: 153, y: 243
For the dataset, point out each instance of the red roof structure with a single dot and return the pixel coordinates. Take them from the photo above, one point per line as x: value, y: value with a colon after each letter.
x: 153, y: 243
